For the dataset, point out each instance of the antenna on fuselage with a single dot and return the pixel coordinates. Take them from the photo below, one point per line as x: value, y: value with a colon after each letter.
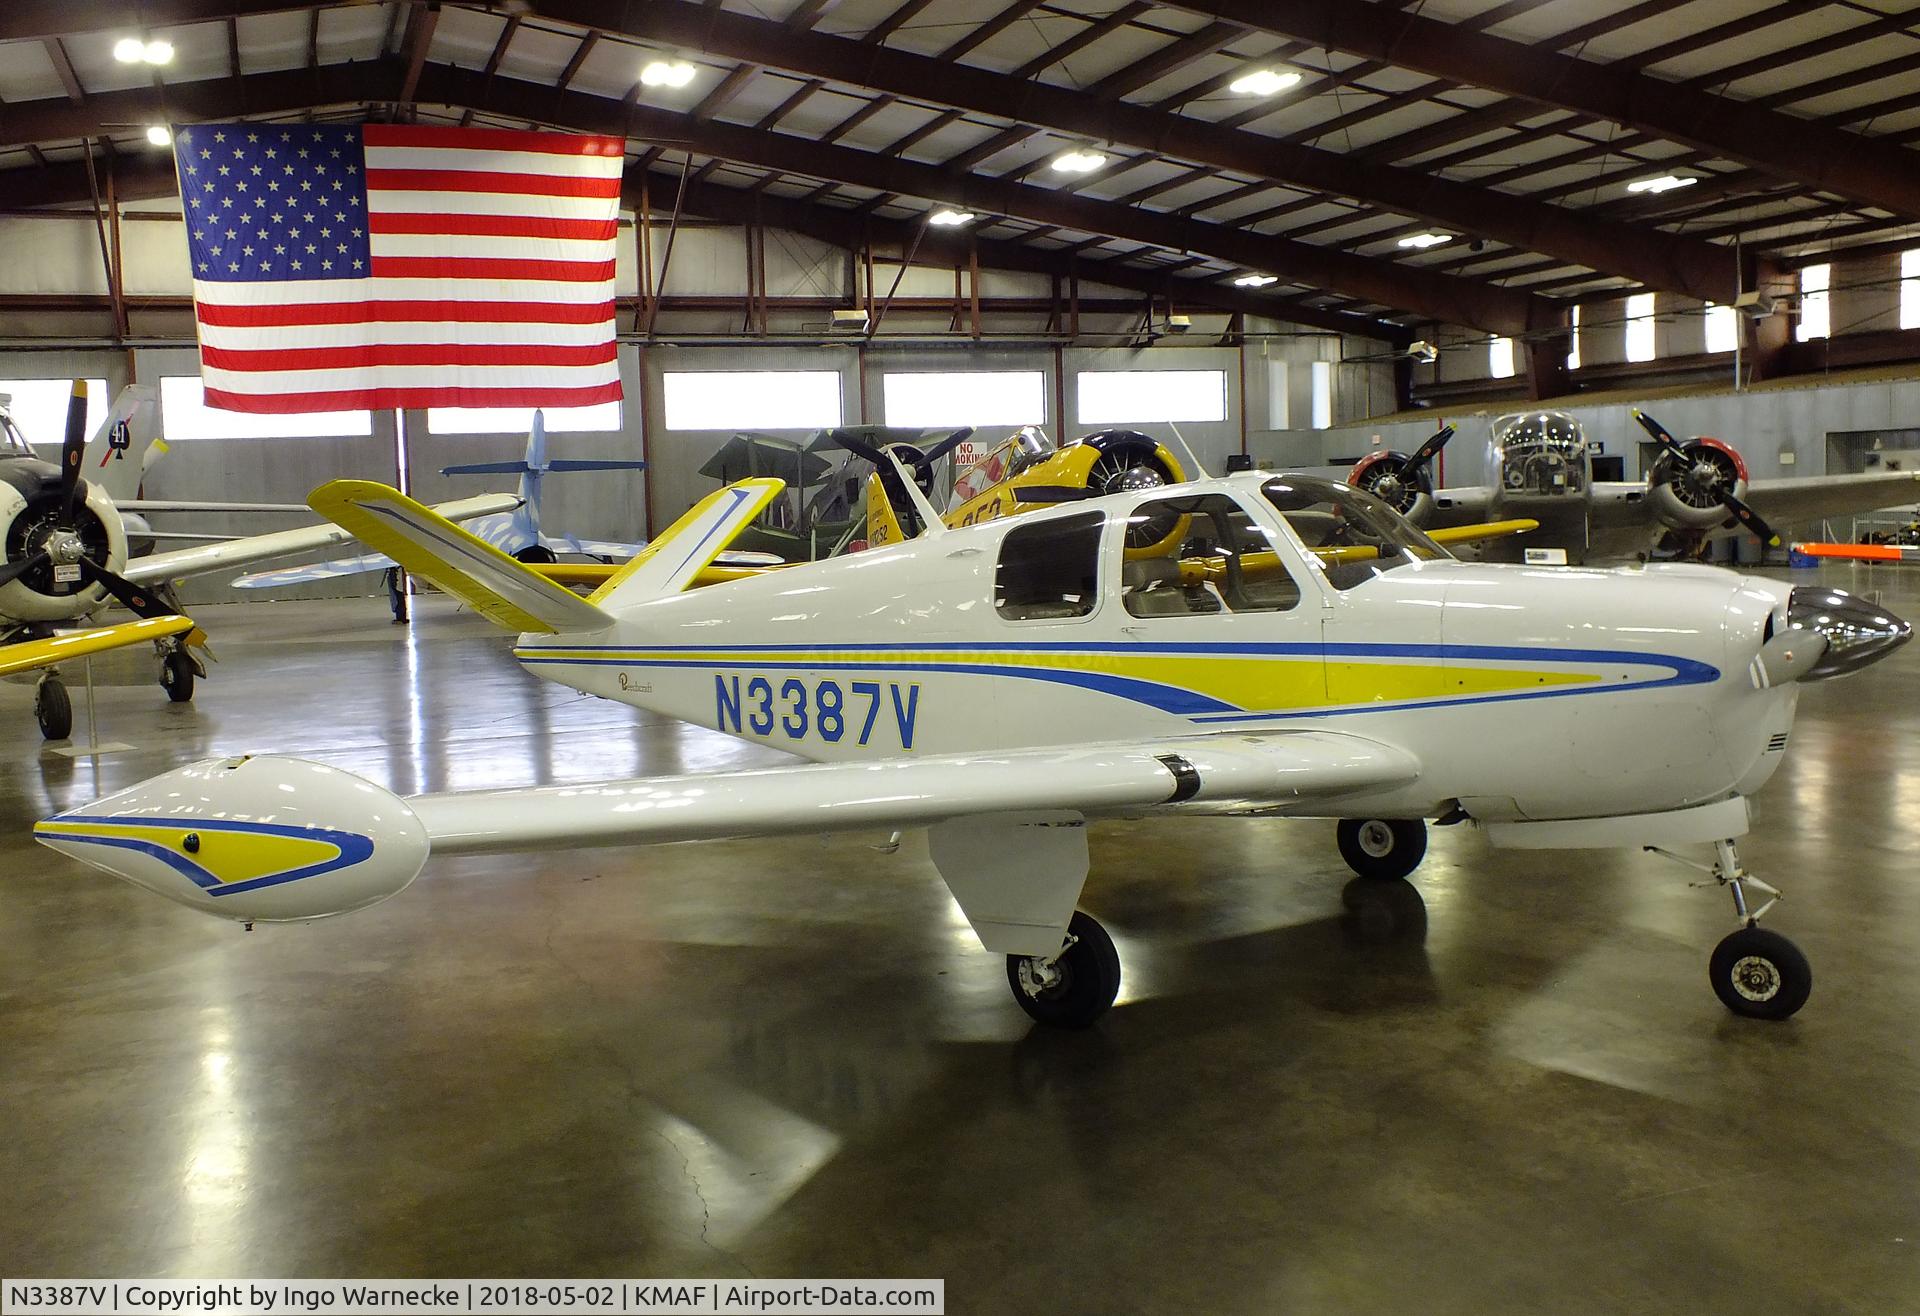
x: 930, y: 521
x: 1199, y: 471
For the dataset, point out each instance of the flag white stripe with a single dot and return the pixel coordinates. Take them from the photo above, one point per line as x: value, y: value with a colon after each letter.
x: 332, y: 381
x: 529, y: 163
x: 278, y: 337
x: 354, y: 291
x: 466, y: 246
x: 488, y: 203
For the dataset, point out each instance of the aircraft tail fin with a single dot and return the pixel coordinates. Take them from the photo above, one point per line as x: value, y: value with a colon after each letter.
x: 465, y: 566
x: 126, y: 444
x: 675, y: 558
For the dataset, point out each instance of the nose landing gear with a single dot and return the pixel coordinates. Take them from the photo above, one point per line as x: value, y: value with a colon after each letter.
x: 1756, y: 972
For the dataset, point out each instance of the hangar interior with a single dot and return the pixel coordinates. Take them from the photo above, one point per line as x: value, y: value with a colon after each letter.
x: 1299, y: 234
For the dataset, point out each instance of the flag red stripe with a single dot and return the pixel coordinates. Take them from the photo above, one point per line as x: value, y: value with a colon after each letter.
x: 401, y: 312
x: 495, y: 226
x: 380, y: 399
x: 482, y: 180
x: 370, y: 355
x: 482, y: 267
x: 490, y: 139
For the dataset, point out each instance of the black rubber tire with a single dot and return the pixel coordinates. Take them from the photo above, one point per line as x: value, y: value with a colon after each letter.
x: 53, y: 710
x: 1089, y: 979
x: 176, y: 677
x: 536, y: 553
x: 1361, y: 845
x: 1759, y: 974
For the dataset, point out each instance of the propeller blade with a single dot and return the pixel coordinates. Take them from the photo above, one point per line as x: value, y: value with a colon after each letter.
x: 1427, y: 451
x: 860, y: 448
x: 945, y: 446
x: 12, y: 571
x: 130, y: 596
x: 1749, y: 518
x: 1050, y: 493
x: 73, y: 451
x: 1661, y: 435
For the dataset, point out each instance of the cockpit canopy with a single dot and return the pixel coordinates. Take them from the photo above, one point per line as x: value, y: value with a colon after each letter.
x: 1540, y: 454
x: 12, y: 442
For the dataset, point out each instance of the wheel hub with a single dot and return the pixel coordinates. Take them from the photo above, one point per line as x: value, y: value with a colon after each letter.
x: 1376, y: 839
x: 1755, y: 978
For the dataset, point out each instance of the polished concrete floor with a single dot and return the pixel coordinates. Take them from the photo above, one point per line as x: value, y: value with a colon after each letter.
x: 1511, y: 1092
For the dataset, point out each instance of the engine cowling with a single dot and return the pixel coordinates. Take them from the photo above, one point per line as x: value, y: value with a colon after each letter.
x: 1689, y: 496
x: 30, y: 505
x: 1392, y: 478
x: 1129, y: 462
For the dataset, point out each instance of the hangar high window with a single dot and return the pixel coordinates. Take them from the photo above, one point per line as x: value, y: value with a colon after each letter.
x: 1049, y: 568
x: 1198, y: 556
x: 184, y: 414
x: 601, y: 419
x: 1138, y: 397
x: 1815, y: 282
x: 964, y: 397
x: 752, y: 399
x: 39, y: 407
x: 1640, y: 327
x: 1910, y: 289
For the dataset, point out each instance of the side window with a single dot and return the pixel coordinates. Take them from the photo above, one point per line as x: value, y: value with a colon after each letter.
x: 1049, y: 569
x: 1200, y: 555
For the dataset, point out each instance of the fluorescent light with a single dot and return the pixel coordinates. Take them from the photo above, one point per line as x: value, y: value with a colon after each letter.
x: 158, y: 52
x: 660, y: 73
x: 1263, y: 82
x: 129, y: 50
x: 1664, y: 183
x: 159, y: 134
x: 1078, y: 162
x: 1422, y: 241
x: 948, y: 218
x: 1255, y: 280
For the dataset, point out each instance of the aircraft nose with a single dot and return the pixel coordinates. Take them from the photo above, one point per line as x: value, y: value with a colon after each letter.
x: 1857, y: 632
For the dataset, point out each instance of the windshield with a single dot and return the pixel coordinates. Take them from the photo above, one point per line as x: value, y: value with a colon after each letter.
x: 1355, y: 535
x: 12, y: 442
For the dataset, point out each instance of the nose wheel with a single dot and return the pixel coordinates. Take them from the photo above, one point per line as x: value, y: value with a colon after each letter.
x: 1076, y: 985
x: 1756, y: 972
x: 1382, y: 848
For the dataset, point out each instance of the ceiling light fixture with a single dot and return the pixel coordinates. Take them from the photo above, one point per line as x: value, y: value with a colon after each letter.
x: 1078, y: 162
x: 159, y: 134
x: 1264, y: 82
x: 129, y: 50
x: 157, y: 52
x: 1255, y: 280
x: 949, y: 218
x: 1421, y: 241
x: 1664, y: 183
x: 661, y: 73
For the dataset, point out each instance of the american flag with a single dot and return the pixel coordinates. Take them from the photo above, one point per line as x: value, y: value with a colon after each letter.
x: 341, y: 267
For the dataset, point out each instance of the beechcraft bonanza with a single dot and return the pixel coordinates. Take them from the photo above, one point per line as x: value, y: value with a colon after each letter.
x: 1291, y: 648
x: 1696, y: 492
x: 65, y: 542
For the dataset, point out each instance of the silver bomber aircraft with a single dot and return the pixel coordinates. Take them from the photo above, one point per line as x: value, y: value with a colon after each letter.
x: 1257, y: 645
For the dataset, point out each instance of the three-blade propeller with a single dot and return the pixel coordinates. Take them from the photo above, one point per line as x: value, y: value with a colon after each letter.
x: 1676, y: 454
x: 73, y: 451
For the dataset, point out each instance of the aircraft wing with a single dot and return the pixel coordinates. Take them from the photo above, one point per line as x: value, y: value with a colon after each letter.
x: 174, y: 505
x: 605, y: 548
x: 31, y: 655
x: 308, y: 572
x: 1806, y: 499
x: 184, y: 562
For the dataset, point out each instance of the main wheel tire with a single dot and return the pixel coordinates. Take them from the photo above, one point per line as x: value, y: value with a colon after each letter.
x: 176, y: 677
x: 1087, y: 978
x: 53, y: 710
x: 1760, y: 974
x: 1382, y: 848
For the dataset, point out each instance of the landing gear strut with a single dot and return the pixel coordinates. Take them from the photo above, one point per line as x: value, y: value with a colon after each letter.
x: 52, y: 709
x: 1756, y: 972
x: 1383, y: 848
x: 1074, y: 986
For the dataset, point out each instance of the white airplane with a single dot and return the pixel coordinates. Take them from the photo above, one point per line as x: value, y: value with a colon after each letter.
x: 518, y: 533
x: 65, y: 542
x: 1695, y: 492
x: 1280, y: 646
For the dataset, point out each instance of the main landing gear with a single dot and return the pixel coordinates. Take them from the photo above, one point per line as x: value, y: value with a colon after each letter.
x: 52, y: 708
x: 1382, y: 848
x: 178, y: 668
x: 1756, y: 973
x: 1074, y: 986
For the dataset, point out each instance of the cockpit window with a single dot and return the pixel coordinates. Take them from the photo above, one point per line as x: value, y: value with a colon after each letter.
x: 1049, y: 568
x: 1540, y: 454
x: 1355, y: 535
x: 1200, y: 555
x: 12, y: 442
